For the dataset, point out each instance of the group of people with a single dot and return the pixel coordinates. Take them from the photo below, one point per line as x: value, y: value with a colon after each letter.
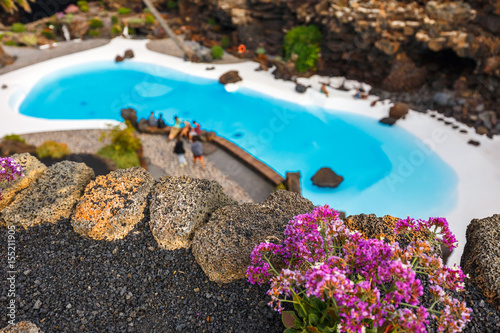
x: 190, y: 131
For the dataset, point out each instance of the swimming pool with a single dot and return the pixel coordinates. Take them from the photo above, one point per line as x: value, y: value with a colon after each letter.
x: 386, y: 170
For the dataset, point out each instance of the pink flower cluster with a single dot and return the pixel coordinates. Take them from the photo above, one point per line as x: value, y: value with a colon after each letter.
x: 433, y: 224
x: 9, y: 170
x: 365, y: 282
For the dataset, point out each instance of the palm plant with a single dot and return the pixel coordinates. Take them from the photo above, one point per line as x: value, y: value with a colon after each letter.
x: 10, y: 6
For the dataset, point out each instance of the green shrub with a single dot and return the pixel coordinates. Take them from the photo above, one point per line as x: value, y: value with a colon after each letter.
x: 82, y: 3
x: 146, y: 10
x: 18, y: 27
x: 93, y: 33
x: 52, y: 149
x: 123, y: 147
x: 49, y: 33
x: 280, y: 186
x: 116, y: 29
x: 122, y: 160
x: 305, y: 43
x: 136, y: 21
x: 124, y: 11
x: 150, y: 19
x: 84, y: 9
x: 10, y: 43
x: 225, y: 42
x: 171, y: 4
x: 260, y: 50
x: 14, y: 137
x: 95, y: 23
x: 131, y: 31
x: 217, y: 52
x: 114, y: 19
x: 211, y: 21
x: 29, y: 39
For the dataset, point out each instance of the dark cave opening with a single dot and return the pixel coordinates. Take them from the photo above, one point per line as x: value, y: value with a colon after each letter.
x: 446, y: 64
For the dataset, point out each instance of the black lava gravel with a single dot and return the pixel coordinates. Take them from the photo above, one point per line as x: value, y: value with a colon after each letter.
x: 66, y: 283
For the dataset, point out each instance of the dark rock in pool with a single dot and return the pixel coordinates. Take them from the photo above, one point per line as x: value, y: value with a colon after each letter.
x: 300, y: 88
x: 129, y: 54
x: 474, y: 143
x: 326, y: 177
x: 230, y: 77
x: 399, y: 110
x: 388, y: 121
x: 130, y: 115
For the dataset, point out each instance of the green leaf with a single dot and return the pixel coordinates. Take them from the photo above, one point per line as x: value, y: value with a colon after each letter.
x: 313, y: 319
x: 289, y: 319
x: 312, y: 329
x: 291, y: 330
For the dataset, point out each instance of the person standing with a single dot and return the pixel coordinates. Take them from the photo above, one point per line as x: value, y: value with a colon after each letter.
x: 152, y: 120
x: 175, y: 130
x: 197, y: 150
x: 195, y: 130
x: 161, y: 122
x: 179, y: 150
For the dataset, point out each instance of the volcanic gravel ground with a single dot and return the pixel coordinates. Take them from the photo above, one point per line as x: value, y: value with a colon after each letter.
x: 67, y: 283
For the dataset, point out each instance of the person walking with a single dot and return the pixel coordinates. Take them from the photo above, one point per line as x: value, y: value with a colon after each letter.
x: 179, y: 150
x: 197, y: 150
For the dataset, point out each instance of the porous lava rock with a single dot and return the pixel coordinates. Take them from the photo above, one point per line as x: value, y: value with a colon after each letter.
x: 130, y: 115
x: 481, y: 257
x: 113, y: 204
x: 388, y: 121
x: 51, y: 197
x: 181, y: 205
x: 10, y: 147
x: 119, y: 58
x: 222, y: 247
x: 5, y: 59
x: 21, y: 327
x: 129, y: 54
x: 326, y: 177
x: 398, y: 110
x: 32, y: 170
x: 292, y: 182
x: 230, y: 77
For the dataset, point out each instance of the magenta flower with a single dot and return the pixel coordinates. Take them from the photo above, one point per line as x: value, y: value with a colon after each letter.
x: 9, y: 170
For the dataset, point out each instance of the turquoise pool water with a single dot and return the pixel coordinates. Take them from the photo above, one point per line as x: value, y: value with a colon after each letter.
x: 386, y: 170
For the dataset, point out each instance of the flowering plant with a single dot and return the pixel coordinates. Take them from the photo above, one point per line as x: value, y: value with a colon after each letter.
x: 9, y: 170
x: 338, y: 281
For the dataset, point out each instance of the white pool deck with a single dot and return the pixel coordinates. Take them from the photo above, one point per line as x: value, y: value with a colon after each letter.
x: 477, y: 168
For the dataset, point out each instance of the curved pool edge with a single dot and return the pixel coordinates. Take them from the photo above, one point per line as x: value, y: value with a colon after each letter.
x: 477, y: 168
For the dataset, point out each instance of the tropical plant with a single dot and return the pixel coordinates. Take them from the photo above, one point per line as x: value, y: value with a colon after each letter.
x: 14, y: 137
x: 123, y: 147
x: 116, y: 29
x: 95, y: 23
x: 10, y: 6
x: 338, y: 281
x: 303, y: 42
x: 172, y: 4
x: 93, y: 33
x: 18, y: 27
x: 52, y: 149
x: 217, y: 52
x: 124, y: 11
x: 150, y: 19
x: 114, y: 19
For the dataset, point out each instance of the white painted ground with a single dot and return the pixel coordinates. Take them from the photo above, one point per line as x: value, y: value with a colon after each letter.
x: 477, y: 168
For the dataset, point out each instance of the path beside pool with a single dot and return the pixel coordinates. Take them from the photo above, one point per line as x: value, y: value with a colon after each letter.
x: 477, y: 168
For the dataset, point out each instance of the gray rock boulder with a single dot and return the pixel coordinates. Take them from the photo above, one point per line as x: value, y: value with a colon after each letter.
x: 32, y: 170
x: 222, y: 247
x: 22, y: 327
x: 481, y: 256
x: 181, y: 205
x: 51, y: 197
x: 113, y: 204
